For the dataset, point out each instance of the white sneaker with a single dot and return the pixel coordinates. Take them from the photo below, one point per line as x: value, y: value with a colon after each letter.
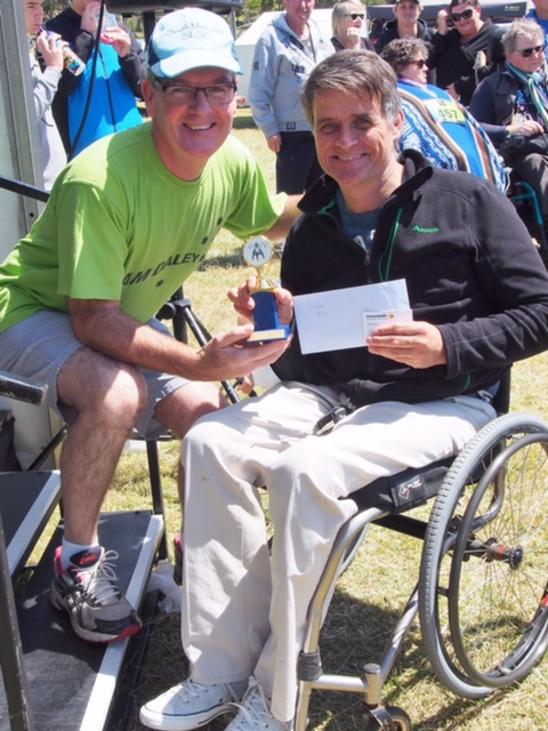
x: 254, y: 714
x: 190, y: 705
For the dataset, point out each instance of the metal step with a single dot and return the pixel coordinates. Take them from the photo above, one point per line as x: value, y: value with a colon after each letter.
x: 27, y: 500
x: 71, y: 682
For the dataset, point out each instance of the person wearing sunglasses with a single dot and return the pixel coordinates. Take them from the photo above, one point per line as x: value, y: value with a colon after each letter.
x: 285, y: 54
x: 435, y: 124
x: 514, y: 102
x: 348, y: 23
x: 468, y: 51
x: 406, y: 24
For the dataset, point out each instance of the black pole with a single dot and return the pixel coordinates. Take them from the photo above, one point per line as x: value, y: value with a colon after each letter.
x: 149, y: 20
x: 11, y: 651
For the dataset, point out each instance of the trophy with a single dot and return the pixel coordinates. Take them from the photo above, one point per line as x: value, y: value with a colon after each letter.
x: 256, y: 253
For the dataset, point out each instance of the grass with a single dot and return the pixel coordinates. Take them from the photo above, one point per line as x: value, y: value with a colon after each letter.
x: 371, y: 593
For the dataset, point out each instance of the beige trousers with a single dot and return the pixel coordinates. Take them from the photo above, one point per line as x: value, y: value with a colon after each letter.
x: 244, y: 608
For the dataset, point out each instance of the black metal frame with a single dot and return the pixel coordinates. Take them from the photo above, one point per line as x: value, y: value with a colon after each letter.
x: 11, y: 651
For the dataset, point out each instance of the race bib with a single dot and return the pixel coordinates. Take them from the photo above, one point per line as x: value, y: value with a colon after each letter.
x: 443, y: 110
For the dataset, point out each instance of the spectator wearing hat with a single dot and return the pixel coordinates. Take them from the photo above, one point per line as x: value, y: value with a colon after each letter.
x: 468, y: 52
x: 285, y: 54
x: 406, y: 24
x: 128, y: 220
x: 347, y: 21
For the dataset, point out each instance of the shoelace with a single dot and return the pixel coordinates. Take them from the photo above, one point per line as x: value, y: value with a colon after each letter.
x: 194, y: 690
x: 253, y: 706
x: 101, y: 580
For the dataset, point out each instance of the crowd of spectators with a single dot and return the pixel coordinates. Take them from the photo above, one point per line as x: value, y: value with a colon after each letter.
x: 439, y: 71
x: 456, y: 56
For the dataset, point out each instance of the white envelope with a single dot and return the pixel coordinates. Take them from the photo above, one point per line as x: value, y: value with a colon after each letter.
x: 343, y: 318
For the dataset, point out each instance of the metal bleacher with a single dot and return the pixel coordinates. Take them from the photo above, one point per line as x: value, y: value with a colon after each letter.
x: 51, y: 678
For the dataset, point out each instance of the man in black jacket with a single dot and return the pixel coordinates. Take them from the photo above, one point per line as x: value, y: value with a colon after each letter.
x: 414, y: 392
x: 406, y: 24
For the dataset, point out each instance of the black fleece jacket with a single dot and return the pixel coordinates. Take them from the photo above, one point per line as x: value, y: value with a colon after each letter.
x: 470, y: 269
x: 454, y: 61
x: 389, y: 33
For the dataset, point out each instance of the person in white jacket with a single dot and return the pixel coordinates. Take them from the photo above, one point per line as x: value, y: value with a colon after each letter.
x: 285, y: 54
x: 44, y: 85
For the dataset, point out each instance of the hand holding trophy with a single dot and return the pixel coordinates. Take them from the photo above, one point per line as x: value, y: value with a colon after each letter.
x: 256, y: 253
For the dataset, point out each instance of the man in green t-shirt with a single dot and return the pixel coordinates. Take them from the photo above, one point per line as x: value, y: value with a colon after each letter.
x: 128, y: 220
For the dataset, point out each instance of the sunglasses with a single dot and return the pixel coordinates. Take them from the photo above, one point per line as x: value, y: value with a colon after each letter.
x: 355, y: 16
x: 419, y: 63
x: 528, y: 52
x: 465, y: 15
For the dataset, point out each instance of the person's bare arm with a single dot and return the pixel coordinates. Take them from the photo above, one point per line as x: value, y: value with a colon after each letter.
x: 101, y: 325
x: 289, y: 214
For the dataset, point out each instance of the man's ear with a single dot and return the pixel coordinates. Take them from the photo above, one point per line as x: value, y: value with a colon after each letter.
x: 148, y: 92
x: 399, y: 123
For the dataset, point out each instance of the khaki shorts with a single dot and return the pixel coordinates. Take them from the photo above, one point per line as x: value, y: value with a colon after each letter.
x: 39, y: 346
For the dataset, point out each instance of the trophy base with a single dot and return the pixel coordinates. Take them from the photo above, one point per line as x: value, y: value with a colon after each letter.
x: 264, y: 336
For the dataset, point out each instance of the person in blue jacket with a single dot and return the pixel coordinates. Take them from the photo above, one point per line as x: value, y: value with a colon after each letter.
x: 114, y: 80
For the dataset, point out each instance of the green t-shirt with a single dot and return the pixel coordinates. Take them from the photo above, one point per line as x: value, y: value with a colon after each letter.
x: 119, y: 226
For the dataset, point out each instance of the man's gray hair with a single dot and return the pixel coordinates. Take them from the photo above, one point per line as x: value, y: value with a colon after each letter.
x: 341, y: 10
x: 522, y: 28
x: 356, y: 73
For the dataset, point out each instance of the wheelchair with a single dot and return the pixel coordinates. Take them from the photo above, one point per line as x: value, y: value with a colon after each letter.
x: 482, y: 591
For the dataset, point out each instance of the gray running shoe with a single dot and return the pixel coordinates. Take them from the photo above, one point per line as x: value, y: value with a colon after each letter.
x: 87, y: 591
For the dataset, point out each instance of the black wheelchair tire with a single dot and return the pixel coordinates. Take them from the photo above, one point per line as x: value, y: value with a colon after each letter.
x: 506, y: 562
x: 441, y: 538
x: 398, y: 717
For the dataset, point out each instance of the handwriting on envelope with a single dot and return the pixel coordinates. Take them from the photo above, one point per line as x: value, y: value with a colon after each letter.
x: 343, y: 318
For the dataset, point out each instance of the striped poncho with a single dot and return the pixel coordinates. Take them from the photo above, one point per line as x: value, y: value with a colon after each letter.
x: 446, y: 134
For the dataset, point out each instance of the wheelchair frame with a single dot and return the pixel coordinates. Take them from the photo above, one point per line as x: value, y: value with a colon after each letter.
x: 484, y: 465
x: 523, y: 196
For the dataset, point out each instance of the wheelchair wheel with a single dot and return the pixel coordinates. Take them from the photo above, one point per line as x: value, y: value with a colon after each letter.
x: 498, y: 596
x: 393, y: 719
x: 482, y: 581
